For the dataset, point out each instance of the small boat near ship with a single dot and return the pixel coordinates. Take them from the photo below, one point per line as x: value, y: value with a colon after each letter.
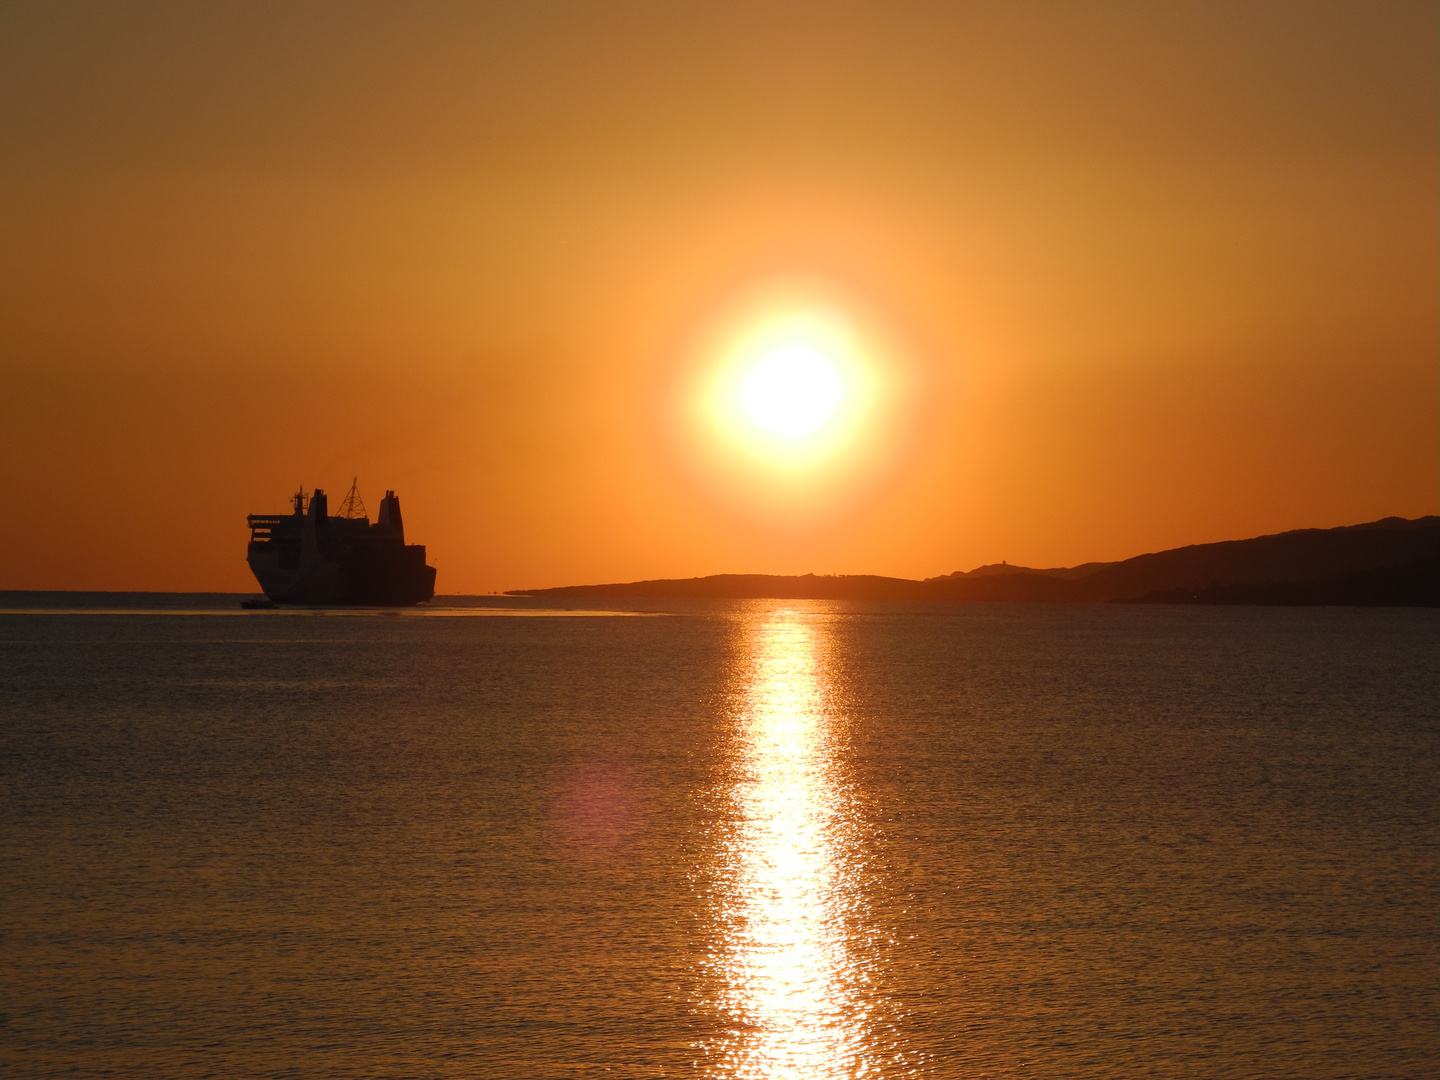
x: 312, y: 557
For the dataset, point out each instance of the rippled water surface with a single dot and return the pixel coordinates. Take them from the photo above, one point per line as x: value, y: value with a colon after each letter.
x: 758, y: 840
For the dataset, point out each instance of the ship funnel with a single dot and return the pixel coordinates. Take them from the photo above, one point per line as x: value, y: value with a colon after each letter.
x: 390, y: 514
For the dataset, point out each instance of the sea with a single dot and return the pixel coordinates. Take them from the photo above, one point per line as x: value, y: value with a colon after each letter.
x: 729, y: 839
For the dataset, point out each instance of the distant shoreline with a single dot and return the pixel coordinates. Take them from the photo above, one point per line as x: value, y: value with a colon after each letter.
x: 1390, y: 562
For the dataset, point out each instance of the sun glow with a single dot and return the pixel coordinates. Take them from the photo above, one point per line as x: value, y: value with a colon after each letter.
x: 793, y: 390
x: 793, y: 402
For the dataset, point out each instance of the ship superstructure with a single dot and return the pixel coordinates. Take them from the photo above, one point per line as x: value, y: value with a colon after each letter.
x: 310, y: 557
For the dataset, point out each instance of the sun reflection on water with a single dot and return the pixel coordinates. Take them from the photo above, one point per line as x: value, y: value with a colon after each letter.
x: 789, y: 892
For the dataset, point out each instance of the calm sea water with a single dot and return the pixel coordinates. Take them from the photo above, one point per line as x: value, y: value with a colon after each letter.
x: 766, y: 839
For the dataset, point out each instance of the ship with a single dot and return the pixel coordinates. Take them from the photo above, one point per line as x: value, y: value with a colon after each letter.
x: 309, y: 556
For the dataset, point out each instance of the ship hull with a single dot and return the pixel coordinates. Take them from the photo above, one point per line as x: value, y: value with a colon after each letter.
x: 370, y: 582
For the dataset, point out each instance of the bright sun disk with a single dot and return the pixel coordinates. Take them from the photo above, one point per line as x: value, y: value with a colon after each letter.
x: 792, y: 391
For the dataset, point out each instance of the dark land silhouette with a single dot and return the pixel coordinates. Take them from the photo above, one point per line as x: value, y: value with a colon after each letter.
x: 1391, y: 562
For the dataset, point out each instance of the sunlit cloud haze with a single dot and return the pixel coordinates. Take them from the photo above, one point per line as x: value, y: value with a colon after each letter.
x: 1134, y: 275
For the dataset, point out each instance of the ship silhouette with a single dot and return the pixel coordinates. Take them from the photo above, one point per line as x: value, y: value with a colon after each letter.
x: 311, y: 557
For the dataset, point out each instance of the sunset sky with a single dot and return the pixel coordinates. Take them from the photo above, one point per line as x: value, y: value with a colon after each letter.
x: 1095, y: 279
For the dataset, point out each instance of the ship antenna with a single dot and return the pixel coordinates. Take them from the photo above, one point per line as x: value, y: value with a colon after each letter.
x: 352, y: 507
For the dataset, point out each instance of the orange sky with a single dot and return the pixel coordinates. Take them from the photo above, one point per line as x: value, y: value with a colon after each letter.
x: 1155, y: 275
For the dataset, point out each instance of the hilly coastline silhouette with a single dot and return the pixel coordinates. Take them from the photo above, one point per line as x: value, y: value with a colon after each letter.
x: 1390, y: 562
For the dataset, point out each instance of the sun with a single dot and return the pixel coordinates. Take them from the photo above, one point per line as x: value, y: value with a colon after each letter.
x: 792, y: 401
x: 792, y: 391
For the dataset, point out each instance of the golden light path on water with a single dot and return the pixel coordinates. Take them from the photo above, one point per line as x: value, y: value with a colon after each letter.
x: 793, y: 990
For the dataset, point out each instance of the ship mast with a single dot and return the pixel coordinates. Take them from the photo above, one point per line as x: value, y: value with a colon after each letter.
x: 352, y: 507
